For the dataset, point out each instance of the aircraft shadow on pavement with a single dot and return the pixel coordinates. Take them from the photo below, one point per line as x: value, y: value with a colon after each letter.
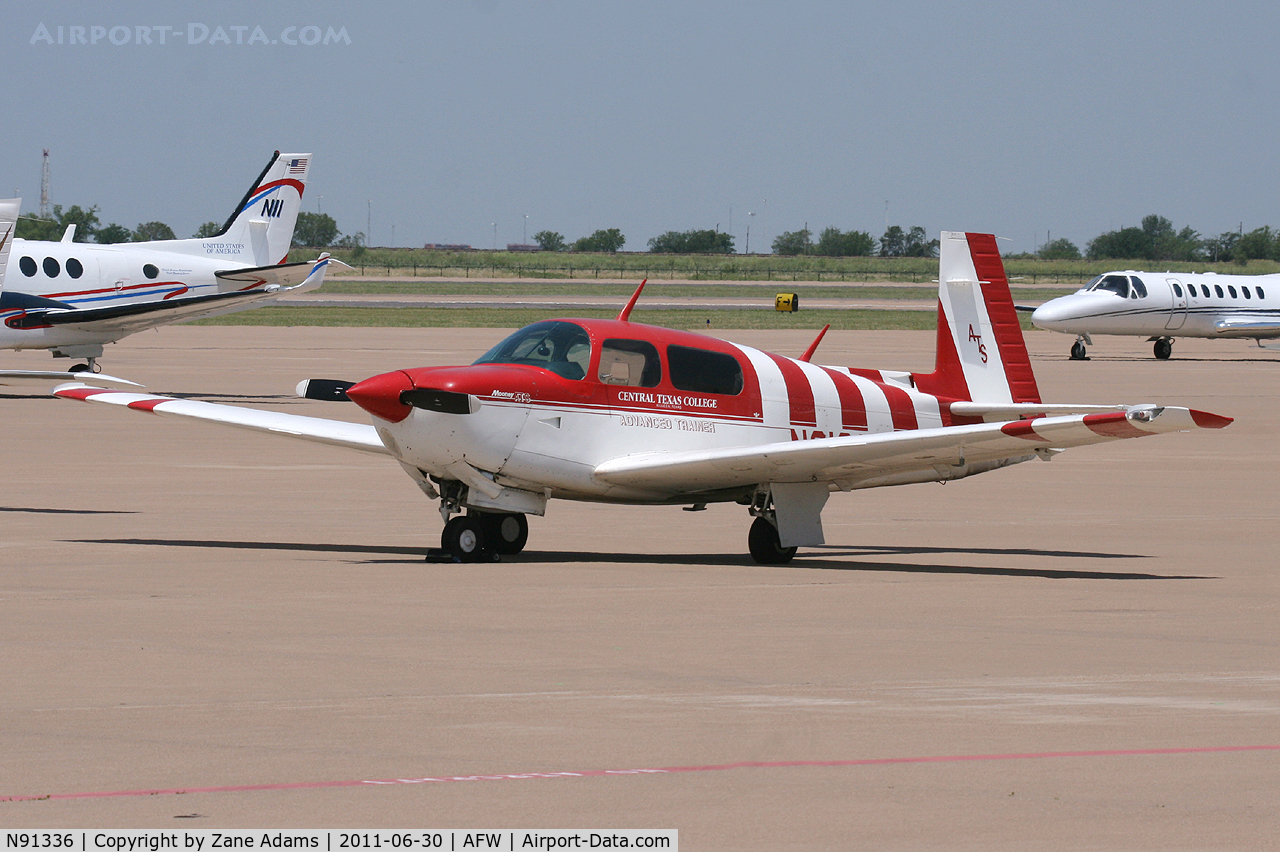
x: 417, y: 554
x: 40, y: 511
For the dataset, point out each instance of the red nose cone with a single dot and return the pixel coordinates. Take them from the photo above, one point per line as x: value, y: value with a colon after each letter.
x: 380, y: 395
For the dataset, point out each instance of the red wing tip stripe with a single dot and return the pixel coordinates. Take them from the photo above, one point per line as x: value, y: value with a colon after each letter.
x: 148, y: 404
x: 1021, y: 429
x: 1207, y: 420
x: 1113, y: 424
x: 81, y: 394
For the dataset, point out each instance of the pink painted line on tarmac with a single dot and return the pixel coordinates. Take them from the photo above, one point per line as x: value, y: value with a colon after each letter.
x: 665, y: 770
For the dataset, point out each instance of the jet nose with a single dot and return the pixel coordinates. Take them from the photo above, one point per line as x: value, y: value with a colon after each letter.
x: 1051, y: 314
x: 380, y: 395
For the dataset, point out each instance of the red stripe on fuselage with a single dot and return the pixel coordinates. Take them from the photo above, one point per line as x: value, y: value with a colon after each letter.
x: 853, y: 408
x: 799, y: 391
x: 901, y: 408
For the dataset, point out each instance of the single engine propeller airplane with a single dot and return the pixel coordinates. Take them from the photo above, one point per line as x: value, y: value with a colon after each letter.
x: 1164, y: 305
x: 616, y: 411
x: 72, y: 298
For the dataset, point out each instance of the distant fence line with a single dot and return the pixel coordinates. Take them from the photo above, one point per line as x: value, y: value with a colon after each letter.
x: 658, y: 273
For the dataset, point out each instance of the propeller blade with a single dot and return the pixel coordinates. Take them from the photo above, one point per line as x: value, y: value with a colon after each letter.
x: 330, y: 390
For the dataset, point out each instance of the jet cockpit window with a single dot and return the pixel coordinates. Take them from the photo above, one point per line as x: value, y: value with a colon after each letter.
x: 702, y: 371
x: 633, y: 363
x: 1118, y: 284
x: 1139, y: 289
x: 561, y: 347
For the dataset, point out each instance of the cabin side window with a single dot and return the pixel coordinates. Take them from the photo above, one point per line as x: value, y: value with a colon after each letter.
x: 28, y: 266
x: 703, y: 371
x: 1177, y: 288
x: 1244, y: 291
x: 1217, y: 288
x: 1261, y: 295
x: 51, y: 267
x: 1232, y: 290
x: 74, y: 267
x: 633, y: 363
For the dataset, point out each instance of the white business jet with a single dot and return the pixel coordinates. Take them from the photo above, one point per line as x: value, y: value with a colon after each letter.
x: 1165, y: 305
x: 72, y: 298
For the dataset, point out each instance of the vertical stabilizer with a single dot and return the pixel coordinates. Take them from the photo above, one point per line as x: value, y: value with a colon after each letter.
x: 8, y: 225
x: 981, y: 353
x: 260, y: 229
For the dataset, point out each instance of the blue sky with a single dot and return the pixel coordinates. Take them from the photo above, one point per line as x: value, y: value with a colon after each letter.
x: 442, y: 119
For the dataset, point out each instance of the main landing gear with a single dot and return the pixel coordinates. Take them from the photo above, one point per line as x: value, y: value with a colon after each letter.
x: 482, y: 537
x: 765, y: 546
x: 1163, y: 348
x: 90, y: 366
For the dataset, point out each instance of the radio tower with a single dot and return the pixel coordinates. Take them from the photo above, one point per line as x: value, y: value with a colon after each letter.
x: 44, y: 186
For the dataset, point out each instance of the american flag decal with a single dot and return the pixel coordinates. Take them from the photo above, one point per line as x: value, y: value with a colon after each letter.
x: 298, y: 166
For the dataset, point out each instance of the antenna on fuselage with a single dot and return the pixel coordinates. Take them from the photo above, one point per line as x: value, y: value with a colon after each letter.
x: 635, y: 297
x: 813, y: 347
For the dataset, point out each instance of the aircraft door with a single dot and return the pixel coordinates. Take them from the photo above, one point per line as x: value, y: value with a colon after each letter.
x: 1178, y: 314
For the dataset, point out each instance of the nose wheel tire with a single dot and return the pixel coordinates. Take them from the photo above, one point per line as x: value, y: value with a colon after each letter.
x: 765, y: 546
x: 1078, y: 351
x: 1163, y: 348
x: 506, y: 533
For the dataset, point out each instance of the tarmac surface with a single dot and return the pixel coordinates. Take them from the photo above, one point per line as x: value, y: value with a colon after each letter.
x: 203, y: 628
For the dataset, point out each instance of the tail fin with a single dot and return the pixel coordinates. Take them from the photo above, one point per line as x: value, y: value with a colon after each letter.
x: 981, y: 354
x: 8, y: 225
x: 260, y: 229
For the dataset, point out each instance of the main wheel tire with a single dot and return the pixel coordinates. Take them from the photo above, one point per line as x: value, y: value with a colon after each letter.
x: 1078, y: 351
x: 464, y: 538
x: 765, y: 546
x: 1163, y: 348
x: 507, y: 533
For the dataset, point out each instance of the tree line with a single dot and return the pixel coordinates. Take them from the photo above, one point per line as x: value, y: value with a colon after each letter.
x: 1154, y: 239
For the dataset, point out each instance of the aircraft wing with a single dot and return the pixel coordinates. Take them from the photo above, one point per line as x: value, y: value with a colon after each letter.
x: 260, y: 284
x: 873, y: 459
x: 338, y: 433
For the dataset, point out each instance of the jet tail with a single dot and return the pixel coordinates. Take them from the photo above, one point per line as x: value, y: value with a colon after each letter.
x: 260, y: 229
x: 982, y: 356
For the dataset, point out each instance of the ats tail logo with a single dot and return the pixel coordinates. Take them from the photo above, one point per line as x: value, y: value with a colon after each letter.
x: 982, y: 347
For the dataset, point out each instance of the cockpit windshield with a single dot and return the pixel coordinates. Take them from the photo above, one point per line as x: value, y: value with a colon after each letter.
x: 1118, y: 284
x: 561, y: 347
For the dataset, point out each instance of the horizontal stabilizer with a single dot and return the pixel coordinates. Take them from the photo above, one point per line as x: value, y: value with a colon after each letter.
x: 338, y: 433
x: 43, y: 377
x: 285, y: 276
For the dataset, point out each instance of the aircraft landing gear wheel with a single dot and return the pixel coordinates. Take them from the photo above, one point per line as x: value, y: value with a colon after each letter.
x: 506, y: 533
x: 463, y: 538
x: 764, y: 545
x: 1078, y: 351
x: 1163, y: 348
x: 79, y: 368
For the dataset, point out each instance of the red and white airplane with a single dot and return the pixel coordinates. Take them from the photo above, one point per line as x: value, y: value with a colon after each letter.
x: 72, y: 298
x: 620, y: 412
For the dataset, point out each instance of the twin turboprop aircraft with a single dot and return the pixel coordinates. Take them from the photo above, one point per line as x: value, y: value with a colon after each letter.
x: 620, y: 412
x: 72, y: 298
x: 1161, y: 306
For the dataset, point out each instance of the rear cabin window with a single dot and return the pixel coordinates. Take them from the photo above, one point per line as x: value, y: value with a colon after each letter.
x: 703, y: 371
x: 1217, y: 288
x: 633, y: 363
x: 74, y: 267
x: 1261, y: 295
x: 561, y: 347
x: 1231, y: 290
x: 1244, y: 291
x: 28, y: 266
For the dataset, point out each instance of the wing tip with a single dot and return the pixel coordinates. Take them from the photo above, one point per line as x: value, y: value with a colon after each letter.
x: 1208, y: 420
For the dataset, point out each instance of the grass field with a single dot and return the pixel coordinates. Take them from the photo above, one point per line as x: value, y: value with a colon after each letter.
x: 510, y: 318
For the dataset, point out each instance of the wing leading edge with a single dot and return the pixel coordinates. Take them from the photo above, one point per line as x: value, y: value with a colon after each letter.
x: 865, y: 460
x: 337, y: 433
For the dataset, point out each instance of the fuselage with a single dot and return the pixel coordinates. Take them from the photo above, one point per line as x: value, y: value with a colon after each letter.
x: 86, y: 275
x: 541, y: 410
x: 1168, y: 304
